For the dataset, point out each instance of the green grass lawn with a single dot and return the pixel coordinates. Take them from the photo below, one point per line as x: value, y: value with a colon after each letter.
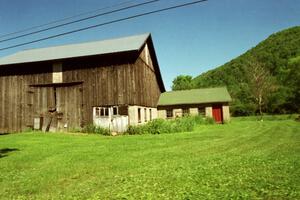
x: 244, y: 159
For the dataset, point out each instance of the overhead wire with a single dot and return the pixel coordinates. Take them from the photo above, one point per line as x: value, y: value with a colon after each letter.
x: 105, y: 23
x: 63, y: 19
x: 80, y: 20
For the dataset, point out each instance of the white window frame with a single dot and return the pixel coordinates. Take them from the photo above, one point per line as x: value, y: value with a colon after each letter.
x: 112, y: 109
x: 99, y: 112
x: 104, y: 112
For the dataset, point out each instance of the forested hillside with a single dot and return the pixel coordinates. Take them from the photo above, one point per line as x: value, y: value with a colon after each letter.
x: 278, y: 61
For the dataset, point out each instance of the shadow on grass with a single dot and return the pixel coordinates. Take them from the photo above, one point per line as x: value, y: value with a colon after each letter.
x: 4, y: 152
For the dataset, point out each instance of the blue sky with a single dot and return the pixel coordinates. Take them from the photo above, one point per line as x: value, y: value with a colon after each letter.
x: 188, y: 40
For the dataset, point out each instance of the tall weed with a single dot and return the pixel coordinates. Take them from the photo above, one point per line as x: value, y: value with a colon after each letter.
x: 90, y: 128
x: 158, y: 126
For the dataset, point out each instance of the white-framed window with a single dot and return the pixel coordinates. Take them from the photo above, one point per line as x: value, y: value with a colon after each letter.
x: 97, y: 111
x: 101, y: 111
x: 115, y: 110
x: 106, y: 111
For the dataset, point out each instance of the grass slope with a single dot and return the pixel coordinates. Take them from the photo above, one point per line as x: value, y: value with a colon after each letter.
x: 243, y: 159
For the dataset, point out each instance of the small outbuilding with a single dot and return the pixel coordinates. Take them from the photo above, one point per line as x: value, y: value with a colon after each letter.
x: 209, y: 102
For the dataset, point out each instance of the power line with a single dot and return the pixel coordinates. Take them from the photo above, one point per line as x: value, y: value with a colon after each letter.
x: 103, y: 24
x: 79, y: 20
x: 63, y: 19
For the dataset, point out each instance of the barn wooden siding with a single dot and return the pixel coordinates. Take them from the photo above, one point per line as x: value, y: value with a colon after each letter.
x: 118, y: 84
x: 16, y: 99
x: 27, y: 90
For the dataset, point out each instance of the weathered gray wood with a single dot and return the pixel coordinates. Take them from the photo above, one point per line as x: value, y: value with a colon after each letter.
x: 129, y: 79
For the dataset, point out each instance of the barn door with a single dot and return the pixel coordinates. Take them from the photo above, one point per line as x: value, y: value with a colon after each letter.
x: 217, y: 113
x: 55, y: 108
x: 43, y: 99
x: 69, y: 107
x: 40, y: 100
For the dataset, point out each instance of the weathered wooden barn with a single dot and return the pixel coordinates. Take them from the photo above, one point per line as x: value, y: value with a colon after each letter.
x: 209, y: 102
x: 112, y: 83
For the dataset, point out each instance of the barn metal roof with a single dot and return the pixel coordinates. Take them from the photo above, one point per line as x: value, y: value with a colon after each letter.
x: 123, y: 44
x: 195, y: 96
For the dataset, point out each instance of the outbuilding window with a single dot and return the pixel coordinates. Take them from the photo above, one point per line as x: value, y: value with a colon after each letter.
x: 201, y: 111
x: 169, y: 113
x: 139, y: 115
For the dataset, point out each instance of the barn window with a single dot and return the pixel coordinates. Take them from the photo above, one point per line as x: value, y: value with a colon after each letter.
x: 150, y: 114
x: 115, y: 110
x: 97, y: 111
x: 106, y: 112
x: 169, y: 113
x: 139, y: 115
x: 145, y: 114
x: 57, y: 75
x: 101, y: 112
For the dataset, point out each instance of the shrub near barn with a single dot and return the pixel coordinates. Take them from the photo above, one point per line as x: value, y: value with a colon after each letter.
x: 158, y: 126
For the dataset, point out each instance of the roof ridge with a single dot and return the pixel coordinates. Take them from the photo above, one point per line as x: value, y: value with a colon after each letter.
x: 196, y: 89
x: 86, y: 42
x: 98, y: 47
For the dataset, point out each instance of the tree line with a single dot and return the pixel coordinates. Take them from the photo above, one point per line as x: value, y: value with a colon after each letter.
x: 264, y: 79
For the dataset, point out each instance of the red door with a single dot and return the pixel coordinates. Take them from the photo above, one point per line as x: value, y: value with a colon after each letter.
x: 217, y: 113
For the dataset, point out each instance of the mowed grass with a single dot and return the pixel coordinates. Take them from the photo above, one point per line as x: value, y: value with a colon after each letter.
x: 244, y: 159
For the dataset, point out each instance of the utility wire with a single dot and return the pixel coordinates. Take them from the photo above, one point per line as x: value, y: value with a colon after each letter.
x: 80, y: 20
x: 106, y: 23
x: 63, y: 19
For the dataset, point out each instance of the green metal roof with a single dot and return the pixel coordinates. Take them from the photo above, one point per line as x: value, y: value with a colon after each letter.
x: 124, y: 44
x: 194, y: 96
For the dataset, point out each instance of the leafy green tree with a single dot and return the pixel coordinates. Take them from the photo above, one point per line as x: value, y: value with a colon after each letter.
x: 183, y: 82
